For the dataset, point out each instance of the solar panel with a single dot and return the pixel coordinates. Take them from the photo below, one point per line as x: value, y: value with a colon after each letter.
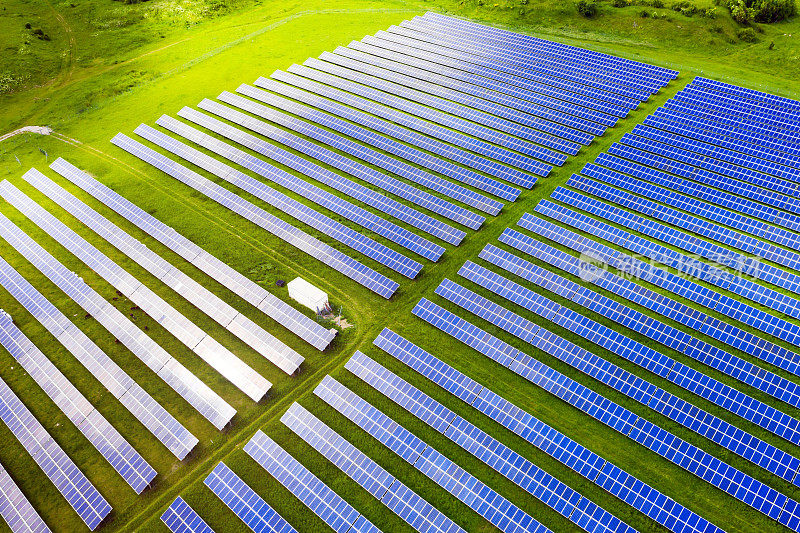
x: 740, y: 442
x: 689, y: 457
x: 333, y: 228
x: 514, y: 70
x: 351, y: 268
x: 605, y: 474
x: 284, y: 314
x: 564, y: 119
x: 16, y: 510
x: 187, y: 385
x: 181, y: 518
x: 732, y: 365
x: 104, y: 437
x: 387, y: 127
x: 244, y: 502
x: 639, y: 88
x: 79, y: 492
x: 264, y: 343
x: 553, y: 493
x: 401, y: 500
x: 459, y: 118
x: 420, y: 124
x: 549, y: 134
x: 480, y: 498
x: 152, y: 415
x: 336, y: 181
x: 559, y: 49
x: 535, y: 86
x: 209, y: 350
x: 353, y: 167
x: 316, y: 495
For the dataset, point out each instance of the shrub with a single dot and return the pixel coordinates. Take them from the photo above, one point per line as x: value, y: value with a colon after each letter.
x: 620, y: 3
x: 767, y: 11
x: 587, y: 8
x: 28, y: 26
x: 771, y: 45
x: 740, y: 12
x: 644, y: 14
x: 658, y: 3
x: 710, y: 12
x: 747, y: 35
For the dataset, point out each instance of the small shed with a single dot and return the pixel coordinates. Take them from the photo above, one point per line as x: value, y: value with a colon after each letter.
x: 308, y: 295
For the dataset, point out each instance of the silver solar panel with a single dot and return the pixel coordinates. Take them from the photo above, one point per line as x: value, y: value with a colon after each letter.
x: 216, y: 355
x: 151, y: 414
x: 103, y: 436
x: 194, y: 391
x: 248, y: 290
x: 79, y: 492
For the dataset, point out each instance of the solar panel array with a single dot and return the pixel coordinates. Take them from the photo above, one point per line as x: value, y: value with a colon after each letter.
x: 474, y: 493
x: 79, y: 492
x: 283, y: 313
x: 178, y: 440
x: 199, y: 395
x: 421, y: 104
x: 208, y: 349
x: 16, y: 510
x: 569, y: 503
x: 104, y: 437
x: 401, y: 500
x: 307, y: 487
x: 603, y: 473
x: 223, y: 313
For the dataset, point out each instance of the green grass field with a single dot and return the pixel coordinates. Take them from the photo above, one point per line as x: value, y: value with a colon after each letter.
x: 109, y: 66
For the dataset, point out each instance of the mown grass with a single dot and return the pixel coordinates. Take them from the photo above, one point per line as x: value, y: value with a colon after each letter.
x: 130, y: 64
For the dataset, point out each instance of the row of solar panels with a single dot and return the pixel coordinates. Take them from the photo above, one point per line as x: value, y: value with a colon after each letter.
x: 79, y: 492
x: 474, y: 127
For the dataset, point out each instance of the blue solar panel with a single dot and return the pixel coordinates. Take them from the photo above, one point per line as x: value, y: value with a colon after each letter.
x: 349, y: 267
x: 639, y: 495
x: 732, y: 365
x: 535, y: 90
x: 16, y: 510
x: 496, y: 455
x: 401, y: 500
x: 480, y: 498
x: 104, y: 437
x: 334, y: 229
x: 693, y: 459
x: 181, y: 518
x: 384, y: 181
x: 603, y: 77
x: 528, y: 42
x: 687, y: 288
x: 79, y: 492
x: 316, y: 495
x: 746, y: 445
x: 342, y: 184
x: 244, y: 502
x: 369, y: 137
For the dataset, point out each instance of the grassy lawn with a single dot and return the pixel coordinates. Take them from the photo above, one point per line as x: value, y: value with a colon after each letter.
x: 107, y: 66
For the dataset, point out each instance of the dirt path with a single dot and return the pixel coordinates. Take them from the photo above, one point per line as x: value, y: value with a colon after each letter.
x: 41, y: 130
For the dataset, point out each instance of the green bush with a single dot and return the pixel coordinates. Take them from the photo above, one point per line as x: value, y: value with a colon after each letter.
x: 747, y: 35
x: 620, y: 3
x: 644, y: 13
x: 658, y: 3
x: 587, y: 8
x: 767, y: 11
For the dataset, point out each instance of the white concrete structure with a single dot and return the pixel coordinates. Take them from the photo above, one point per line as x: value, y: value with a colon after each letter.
x: 308, y: 295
